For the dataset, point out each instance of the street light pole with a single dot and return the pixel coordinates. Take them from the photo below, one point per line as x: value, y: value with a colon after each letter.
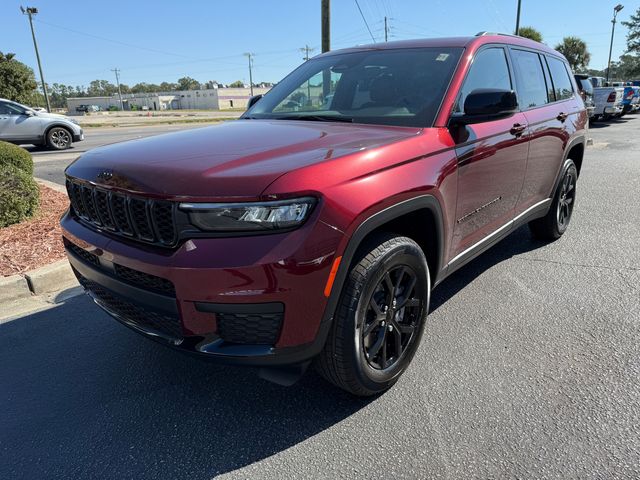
x: 616, y: 9
x: 518, y: 18
x: 30, y: 11
x: 250, y: 57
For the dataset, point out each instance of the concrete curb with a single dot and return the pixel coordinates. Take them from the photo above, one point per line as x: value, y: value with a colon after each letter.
x: 13, y: 287
x: 51, y: 278
x: 51, y: 185
x: 36, y: 288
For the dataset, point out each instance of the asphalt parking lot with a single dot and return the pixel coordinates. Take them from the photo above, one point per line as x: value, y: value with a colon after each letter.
x: 529, y: 368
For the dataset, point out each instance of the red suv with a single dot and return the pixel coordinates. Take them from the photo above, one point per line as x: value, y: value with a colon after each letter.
x: 315, y: 227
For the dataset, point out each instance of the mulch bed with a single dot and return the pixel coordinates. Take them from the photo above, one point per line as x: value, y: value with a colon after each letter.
x: 35, y: 242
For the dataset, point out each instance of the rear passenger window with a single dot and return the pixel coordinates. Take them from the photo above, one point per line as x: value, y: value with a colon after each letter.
x: 488, y: 70
x: 532, y: 89
x: 560, y: 77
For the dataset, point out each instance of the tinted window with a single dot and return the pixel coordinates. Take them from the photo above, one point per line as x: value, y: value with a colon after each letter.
x: 488, y: 70
x: 560, y: 77
x: 532, y: 89
x: 10, y: 109
x: 387, y: 87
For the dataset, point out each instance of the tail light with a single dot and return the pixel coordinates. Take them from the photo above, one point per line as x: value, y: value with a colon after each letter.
x: 612, y: 97
x: 630, y: 95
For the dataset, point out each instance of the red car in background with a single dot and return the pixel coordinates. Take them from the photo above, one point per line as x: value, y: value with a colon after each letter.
x: 314, y: 228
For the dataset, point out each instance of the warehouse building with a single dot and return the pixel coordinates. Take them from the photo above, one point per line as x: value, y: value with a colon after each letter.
x: 209, y: 99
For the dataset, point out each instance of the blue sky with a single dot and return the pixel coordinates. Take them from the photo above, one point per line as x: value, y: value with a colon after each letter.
x: 151, y: 41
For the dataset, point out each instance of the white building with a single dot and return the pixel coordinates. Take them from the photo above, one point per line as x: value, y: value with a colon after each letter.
x: 210, y: 99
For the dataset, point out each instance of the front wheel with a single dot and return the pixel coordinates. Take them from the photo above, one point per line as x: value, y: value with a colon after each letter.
x: 556, y: 221
x: 380, y: 317
x: 59, y: 138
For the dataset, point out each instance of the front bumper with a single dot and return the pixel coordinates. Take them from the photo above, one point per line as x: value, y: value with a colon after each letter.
x: 248, y: 300
x: 78, y: 136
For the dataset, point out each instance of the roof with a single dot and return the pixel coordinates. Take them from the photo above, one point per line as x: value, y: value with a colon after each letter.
x: 479, y: 39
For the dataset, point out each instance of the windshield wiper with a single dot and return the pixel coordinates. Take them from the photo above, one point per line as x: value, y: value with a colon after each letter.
x: 316, y: 118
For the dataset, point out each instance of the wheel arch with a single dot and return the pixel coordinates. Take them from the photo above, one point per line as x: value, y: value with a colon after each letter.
x: 57, y: 124
x: 575, y: 151
x: 419, y: 218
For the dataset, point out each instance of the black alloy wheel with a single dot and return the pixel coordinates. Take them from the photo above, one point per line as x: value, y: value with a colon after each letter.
x: 380, y: 316
x: 565, y: 201
x: 391, y: 318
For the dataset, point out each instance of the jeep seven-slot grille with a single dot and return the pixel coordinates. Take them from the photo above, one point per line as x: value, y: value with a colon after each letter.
x: 142, y: 219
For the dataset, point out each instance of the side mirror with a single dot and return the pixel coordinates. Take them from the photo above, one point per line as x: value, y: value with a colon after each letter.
x: 486, y: 104
x: 253, y: 100
x: 29, y: 113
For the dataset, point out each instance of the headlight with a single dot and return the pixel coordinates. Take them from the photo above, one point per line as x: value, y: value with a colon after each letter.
x: 249, y: 217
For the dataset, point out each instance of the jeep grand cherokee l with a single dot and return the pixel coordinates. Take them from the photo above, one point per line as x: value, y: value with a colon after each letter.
x: 314, y: 228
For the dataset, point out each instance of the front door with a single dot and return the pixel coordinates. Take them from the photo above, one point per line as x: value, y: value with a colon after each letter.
x: 16, y: 125
x: 491, y: 159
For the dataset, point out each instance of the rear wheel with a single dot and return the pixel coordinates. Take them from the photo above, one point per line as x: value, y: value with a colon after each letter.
x: 380, y: 317
x: 556, y: 221
x: 59, y: 138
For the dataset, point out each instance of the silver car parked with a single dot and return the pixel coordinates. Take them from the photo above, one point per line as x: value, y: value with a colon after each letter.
x: 20, y: 124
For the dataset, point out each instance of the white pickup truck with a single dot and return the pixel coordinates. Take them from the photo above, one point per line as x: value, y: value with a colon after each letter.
x: 607, y: 100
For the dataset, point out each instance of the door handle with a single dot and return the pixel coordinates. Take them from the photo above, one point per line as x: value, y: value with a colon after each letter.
x: 562, y: 116
x: 517, y: 129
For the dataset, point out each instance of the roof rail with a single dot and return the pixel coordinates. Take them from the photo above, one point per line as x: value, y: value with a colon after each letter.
x: 484, y: 33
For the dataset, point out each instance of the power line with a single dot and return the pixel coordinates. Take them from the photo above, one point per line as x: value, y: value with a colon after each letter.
x: 365, y: 21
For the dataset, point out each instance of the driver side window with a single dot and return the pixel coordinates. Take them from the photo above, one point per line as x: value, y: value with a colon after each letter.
x: 488, y: 70
x: 9, y: 109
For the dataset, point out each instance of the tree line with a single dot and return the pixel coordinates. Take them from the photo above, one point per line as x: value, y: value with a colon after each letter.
x: 575, y: 50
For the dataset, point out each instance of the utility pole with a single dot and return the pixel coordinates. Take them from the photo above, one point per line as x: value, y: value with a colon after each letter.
x: 518, y: 18
x: 250, y: 57
x: 325, y: 25
x: 306, y: 50
x: 30, y: 11
x: 117, y: 72
x: 616, y: 9
x: 386, y: 30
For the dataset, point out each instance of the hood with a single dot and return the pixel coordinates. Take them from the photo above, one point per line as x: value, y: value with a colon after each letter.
x: 55, y: 116
x: 235, y: 159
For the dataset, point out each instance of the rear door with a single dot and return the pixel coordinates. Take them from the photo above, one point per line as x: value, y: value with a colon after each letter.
x: 491, y: 157
x: 548, y: 118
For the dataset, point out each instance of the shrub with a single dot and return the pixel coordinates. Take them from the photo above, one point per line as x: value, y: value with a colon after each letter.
x: 19, y: 195
x: 11, y: 154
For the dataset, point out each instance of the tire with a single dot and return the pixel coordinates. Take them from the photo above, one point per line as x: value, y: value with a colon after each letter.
x: 59, y: 138
x: 361, y: 354
x: 553, y: 225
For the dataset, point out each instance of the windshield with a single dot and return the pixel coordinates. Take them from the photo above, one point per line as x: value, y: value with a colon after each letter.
x: 385, y: 87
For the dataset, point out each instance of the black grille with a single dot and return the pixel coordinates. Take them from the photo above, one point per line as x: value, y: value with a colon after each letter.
x: 249, y: 328
x: 168, y: 325
x: 82, y: 253
x: 145, y: 220
x: 144, y: 280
